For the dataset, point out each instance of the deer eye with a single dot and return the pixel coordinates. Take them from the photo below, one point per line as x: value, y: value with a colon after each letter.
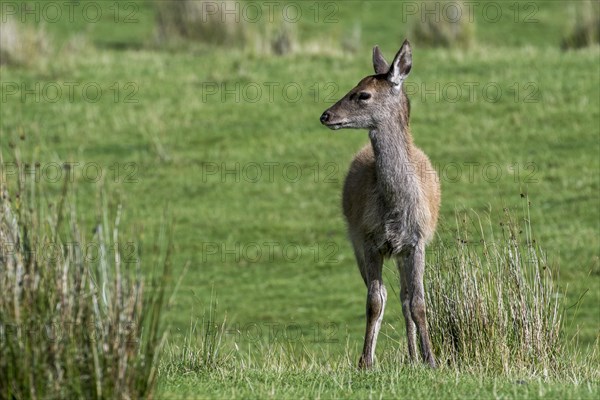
x: 364, y: 96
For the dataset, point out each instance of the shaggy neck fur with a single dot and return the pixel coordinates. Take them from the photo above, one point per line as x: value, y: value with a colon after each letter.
x: 397, y: 180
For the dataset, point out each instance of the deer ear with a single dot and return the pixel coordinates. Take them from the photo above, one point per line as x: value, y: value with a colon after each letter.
x: 379, y: 64
x: 401, y: 65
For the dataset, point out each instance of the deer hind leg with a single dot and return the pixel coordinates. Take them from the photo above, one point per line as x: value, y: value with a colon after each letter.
x: 376, y: 298
x: 402, y: 263
x: 415, y: 268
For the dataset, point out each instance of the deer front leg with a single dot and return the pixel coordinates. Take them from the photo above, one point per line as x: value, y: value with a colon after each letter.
x: 376, y: 298
x: 411, y: 337
x: 417, y: 301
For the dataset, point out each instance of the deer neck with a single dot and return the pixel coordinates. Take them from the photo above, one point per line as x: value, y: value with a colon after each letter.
x: 396, y: 173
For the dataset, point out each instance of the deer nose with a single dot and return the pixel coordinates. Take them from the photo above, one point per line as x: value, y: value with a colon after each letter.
x: 325, y: 117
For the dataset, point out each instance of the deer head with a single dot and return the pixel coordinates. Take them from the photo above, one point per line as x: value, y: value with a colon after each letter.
x: 376, y: 98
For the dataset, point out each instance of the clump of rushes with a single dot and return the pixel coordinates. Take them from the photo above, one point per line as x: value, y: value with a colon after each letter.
x: 22, y: 45
x: 201, y: 21
x: 452, y: 25
x: 493, y: 301
x: 584, y: 29
x: 75, y: 324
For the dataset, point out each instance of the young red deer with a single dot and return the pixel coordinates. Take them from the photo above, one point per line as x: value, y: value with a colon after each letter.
x: 391, y: 197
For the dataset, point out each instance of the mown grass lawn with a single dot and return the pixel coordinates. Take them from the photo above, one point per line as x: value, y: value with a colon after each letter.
x: 230, y: 142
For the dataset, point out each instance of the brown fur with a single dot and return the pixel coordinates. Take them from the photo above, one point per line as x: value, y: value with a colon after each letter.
x: 359, y: 194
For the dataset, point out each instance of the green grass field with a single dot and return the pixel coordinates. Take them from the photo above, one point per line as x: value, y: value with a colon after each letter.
x: 230, y: 141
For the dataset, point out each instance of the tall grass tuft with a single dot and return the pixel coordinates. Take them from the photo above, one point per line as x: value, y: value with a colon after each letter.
x: 492, y: 297
x: 181, y: 22
x: 284, y: 40
x: 442, y: 24
x: 584, y: 29
x: 197, y: 20
x: 202, y: 347
x: 75, y: 323
x: 22, y: 45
